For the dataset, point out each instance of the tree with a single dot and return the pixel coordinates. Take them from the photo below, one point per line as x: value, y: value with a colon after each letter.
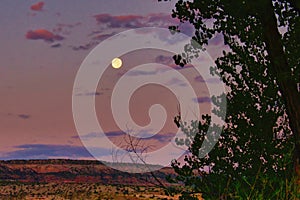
x: 262, y: 70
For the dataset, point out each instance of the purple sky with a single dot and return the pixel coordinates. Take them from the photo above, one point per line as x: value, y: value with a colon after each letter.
x: 42, y: 46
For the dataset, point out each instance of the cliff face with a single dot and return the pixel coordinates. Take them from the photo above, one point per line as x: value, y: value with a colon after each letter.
x: 77, y: 171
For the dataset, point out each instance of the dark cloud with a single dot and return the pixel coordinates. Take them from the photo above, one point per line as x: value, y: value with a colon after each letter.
x: 202, y: 100
x: 69, y: 25
x: 164, y: 137
x: 45, y: 151
x: 177, y: 82
x: 43, y: 34
x: 97, y: 135
x: 65, y: 28
x: 84, y: 47
x: 97, y: 37
x: 135, y: 21
x: 109, y: 25
x: 89, y: 135
x: 199, y: 79
x: 90, y: 94
x: 94, y: 33
x: 140, y: 73
x: 187, y: 29
x: 166, y: 60
x: 56, y: 45
x: 24, y: 116
x: 93, y: 93
x: 209, y: 80
x: 115, y: 133
x: 101, y: 37
x: 183, y: 68
x: 165, y: 20
x: 37, y: 6
x: 122, y: 21
x: 159, y: 138
x: 160, y: 20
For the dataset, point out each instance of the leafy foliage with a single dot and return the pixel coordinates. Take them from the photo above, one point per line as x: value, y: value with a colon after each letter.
x: 256, y: 144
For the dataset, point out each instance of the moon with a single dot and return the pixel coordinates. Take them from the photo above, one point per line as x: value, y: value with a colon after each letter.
x: 116, y: 63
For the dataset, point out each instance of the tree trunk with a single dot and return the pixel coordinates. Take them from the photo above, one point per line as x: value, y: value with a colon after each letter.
x: 281, y: 70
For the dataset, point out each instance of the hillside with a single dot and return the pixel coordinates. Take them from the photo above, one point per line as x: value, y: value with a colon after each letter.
x: 73, y: 171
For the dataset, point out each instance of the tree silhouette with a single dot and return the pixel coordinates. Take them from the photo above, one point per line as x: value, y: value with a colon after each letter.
x: 262, y: 70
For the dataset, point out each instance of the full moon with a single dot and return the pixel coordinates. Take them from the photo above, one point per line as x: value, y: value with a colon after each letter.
x: 116, y: 63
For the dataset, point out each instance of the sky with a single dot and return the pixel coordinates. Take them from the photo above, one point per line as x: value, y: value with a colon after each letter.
x: 43, y: 45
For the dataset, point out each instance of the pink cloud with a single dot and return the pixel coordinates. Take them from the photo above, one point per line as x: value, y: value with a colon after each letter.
x: 38, y: 6
x: 43, y: 34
